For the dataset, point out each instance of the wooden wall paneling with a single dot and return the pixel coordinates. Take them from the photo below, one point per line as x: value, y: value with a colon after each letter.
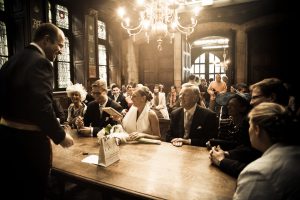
x: 149, y: 72
x: 18, y: 22
x: 91, y: 44
x: 156, y: 66
x: 266, y: 56
x: 79, y: 75
x: 166, y: 72
x: 37, y: 15
x: 79, y: 48
x: 20, y: 29
x: 78, y: 44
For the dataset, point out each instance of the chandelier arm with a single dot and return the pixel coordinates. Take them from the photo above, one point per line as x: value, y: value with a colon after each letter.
x: 185, y: 27
x: 140, y: 26
x: 186, y: 31
x: 130, y: 31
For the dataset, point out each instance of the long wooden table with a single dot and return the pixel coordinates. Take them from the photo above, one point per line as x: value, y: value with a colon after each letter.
x: 146, y: 171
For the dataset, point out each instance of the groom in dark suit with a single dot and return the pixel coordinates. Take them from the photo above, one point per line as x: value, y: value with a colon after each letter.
x: 191, y: 124
x: 94, y: 118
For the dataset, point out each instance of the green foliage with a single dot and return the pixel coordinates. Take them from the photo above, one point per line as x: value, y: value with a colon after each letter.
x: 107, y: 129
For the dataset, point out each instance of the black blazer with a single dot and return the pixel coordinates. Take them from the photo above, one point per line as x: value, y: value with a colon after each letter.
x: 92, y: 115
x: 121, y: 100
x: 204, y: 126
x: 26, y: 85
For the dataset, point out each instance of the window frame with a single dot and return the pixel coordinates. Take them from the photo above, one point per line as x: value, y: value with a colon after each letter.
x: 105, y: 43
x: 207, y: 63
x: 4, y: 19
x: 68, y: 33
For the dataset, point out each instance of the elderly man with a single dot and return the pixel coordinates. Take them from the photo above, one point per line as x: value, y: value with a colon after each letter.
x: 94, y: 118
x: 191, y: 124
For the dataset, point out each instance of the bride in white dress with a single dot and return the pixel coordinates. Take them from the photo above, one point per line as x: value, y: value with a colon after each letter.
x: 141, y: 121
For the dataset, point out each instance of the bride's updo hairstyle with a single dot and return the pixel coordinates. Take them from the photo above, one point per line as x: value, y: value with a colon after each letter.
x: 144, y: 91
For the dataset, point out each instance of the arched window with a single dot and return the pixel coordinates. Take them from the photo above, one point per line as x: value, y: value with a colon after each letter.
x: 207, y: 65
x: 212, y: 57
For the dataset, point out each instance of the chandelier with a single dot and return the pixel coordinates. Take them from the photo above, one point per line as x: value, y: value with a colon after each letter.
x: 159, y: 19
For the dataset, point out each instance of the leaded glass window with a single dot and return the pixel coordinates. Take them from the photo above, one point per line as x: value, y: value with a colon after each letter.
x: 63, y: 66
x: 49, y: 12
x: 3, y: 44
x: 198, y: 68
x: 2, y: 5
x: 207, y: 65
x: 102, y: 62
x: 62, y: 17
x: 101, y: 30
x: 215, y: 66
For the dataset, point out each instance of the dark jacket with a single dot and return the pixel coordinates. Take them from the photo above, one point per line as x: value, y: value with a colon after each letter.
x: 92, y: 115
x: 204, y: 126
x: 26, y: 84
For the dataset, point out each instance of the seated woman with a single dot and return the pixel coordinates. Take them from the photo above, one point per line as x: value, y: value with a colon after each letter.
x: 172, y: 99
x: 234, y: 137
x: 159, y: 103
x: 140, y: 121
x: 77, y: 108
x: 274, y: 175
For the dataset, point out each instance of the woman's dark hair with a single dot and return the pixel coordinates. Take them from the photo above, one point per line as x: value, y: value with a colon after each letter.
x: 242, y: 100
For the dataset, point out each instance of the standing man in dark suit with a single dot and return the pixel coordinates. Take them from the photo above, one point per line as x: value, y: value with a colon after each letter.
x: 28, y: 120
x: 191, y: 124
x: 94, y: 118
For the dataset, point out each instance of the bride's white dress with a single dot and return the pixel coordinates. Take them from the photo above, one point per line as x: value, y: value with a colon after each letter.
x: 131, y: 124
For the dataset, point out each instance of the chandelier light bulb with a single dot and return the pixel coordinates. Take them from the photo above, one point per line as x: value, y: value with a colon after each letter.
x: 121, y: 12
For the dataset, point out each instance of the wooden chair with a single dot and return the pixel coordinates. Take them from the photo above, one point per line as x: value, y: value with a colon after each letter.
x: 164, y: 125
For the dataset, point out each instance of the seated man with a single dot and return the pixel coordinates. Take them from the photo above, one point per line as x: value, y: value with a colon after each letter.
x: 94, y: 118
x: 191, y: 124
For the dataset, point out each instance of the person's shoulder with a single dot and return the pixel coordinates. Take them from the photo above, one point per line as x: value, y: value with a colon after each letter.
x: 205, y: 110
x: 113, y: 104
x: 151, y: 112
x: 177, y: 111
x: 92, y: 104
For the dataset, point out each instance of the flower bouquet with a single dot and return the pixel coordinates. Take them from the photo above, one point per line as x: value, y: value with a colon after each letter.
x: 122, y: 136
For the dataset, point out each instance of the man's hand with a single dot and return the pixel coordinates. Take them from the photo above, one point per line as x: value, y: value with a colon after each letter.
x: 85, y: 131
x: 68, y: 141
x: 178, y: 142
x: 216, y: 155
x: 79, y: 122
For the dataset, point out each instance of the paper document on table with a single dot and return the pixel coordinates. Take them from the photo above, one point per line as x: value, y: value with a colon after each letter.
x: 92, y: 159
